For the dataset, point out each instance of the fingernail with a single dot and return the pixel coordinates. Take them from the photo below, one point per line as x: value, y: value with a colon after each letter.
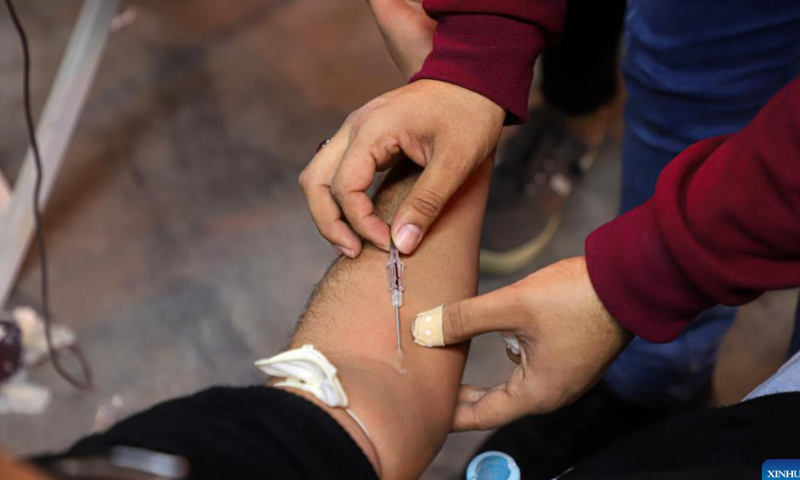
x: 413, y: 328
x: 511, y: 341
x: 407, y: 238
x: 340, y: 250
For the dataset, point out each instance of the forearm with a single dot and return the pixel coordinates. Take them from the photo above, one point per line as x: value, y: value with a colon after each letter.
x: 723, y: 227
x: 405, y: 400
x: 490, y: 47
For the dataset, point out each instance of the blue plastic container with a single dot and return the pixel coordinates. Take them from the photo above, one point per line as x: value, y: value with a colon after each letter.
x: 493, y: 466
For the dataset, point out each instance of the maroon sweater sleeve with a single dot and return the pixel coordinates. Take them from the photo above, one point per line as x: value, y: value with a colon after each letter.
x: 722, y: 227
x: 490, y: 46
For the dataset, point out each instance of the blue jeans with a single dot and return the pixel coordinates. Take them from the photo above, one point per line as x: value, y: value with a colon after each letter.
x: 693, y: 69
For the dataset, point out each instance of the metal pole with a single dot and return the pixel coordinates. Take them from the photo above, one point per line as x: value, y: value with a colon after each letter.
x: 54, y: 131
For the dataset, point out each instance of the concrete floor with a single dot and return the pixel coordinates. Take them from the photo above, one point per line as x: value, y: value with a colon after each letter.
x: 181, y: 248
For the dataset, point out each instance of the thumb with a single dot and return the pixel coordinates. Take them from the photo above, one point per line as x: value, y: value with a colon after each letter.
x: 425, y: 202
x: 460, y: 321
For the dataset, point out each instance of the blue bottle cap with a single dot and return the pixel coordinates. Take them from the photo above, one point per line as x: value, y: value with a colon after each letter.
x: 493, y: 466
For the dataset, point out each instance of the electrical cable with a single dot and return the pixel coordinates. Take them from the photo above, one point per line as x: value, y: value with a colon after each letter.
x: 86, y: 382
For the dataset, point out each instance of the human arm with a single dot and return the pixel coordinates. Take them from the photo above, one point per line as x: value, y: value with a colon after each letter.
x: 487, y: 47
x: 447, y: 121
x: 406, y: 402
x: 722, y: 227
x: 407, y: 32
x: 490, y: 46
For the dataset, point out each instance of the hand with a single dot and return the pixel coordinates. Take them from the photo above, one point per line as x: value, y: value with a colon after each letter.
x: 567, y: 340
x: 407, y: 31
x: 446, y: 129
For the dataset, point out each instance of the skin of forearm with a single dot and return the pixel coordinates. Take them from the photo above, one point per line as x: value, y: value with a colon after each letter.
x: 406, y: 400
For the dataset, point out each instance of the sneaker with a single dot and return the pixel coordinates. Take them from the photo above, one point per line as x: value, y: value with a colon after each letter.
x: 544, y: 446
x: 537, y: 171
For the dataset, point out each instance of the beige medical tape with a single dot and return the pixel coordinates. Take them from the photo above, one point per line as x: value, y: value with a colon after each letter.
x: 427, y: 327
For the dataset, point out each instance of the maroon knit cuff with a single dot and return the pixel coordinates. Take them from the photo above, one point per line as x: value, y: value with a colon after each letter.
x: 488, y: 54
x: 638, y: 280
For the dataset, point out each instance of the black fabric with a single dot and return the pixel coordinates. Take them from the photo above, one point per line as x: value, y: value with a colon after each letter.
x: 547, y: 444
x: 729, y: 443
x: 241, y: 433
x: 579, y: 74
x: 263, y: 433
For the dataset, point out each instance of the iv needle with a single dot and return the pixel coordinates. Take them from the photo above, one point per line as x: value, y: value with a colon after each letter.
x: 397, y: 319
x: 395, y: 269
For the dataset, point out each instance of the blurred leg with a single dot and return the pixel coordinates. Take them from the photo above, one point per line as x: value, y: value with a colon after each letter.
x: 545, y: 159
x: 579, y: 73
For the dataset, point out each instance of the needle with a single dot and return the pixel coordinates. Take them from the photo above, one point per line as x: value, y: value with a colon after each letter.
x: 396, y: 287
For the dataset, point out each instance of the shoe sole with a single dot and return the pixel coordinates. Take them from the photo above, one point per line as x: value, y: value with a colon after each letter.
x: 511, y: 261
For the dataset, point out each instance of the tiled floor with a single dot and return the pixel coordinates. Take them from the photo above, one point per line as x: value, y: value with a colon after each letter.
x: 181, y: 248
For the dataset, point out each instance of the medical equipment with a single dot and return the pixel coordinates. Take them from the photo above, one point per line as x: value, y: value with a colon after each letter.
x: 395, y: 268
x: 307, y: 369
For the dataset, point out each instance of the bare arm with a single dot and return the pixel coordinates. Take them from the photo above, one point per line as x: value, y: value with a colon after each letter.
x: 405, y: 400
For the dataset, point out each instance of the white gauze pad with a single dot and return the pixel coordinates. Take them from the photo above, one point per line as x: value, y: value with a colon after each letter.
x: 307, y: 369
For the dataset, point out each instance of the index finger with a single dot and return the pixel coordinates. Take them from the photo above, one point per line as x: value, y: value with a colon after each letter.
x: 315, y: 183
x: 355, y: 174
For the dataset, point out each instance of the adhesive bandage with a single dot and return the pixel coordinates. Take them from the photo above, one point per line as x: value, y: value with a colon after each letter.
x: 427, y: 328
x: 307, y: 369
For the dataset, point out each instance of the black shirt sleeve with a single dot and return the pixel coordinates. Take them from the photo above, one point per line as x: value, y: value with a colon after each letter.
x: 242, y: 433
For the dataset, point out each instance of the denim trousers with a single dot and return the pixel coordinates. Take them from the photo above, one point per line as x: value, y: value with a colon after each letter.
x: 693, y: 69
